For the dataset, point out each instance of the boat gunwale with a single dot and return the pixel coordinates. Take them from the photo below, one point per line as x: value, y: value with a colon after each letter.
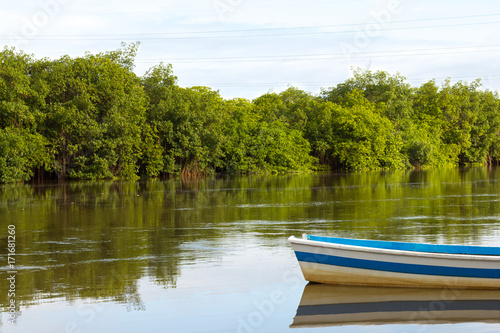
x: 408, y: 246
x: 376, y: 250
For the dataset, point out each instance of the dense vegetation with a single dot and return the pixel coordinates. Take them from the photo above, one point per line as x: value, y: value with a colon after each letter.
x: 91, y: 117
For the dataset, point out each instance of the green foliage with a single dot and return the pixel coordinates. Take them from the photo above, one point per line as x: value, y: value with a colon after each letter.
x: 290, y: 106
x: 254, y: 145
x: 92, y: 117
x: 454, y: 124
x: 21, y: 153
x: 354, y: 135
x: 438, y: 126
x: 124, y: 57
x: 152, y: 159
x: 189, y: 122
x: 390, y: 92
x: 94, y: 114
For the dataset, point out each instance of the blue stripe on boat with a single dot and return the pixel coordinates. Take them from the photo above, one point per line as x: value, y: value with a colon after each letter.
x: 432, y: 248
x: 398, y: 267
x: 398, y: 306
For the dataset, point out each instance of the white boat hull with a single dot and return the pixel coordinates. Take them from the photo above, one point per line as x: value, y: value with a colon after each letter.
x: 357, y: 265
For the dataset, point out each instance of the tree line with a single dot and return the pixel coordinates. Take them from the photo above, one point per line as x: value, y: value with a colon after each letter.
x: 92, y: 117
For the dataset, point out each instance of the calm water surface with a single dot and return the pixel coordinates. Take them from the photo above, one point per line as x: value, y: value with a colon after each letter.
x: 212, y: 255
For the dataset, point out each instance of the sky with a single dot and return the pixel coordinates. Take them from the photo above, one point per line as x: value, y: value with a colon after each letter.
x: 246, y: 48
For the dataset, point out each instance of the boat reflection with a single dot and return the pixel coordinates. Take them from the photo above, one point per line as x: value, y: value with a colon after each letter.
x: 332, y: 305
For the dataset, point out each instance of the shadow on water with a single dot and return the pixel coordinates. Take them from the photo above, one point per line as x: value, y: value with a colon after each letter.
x: 328, y: 305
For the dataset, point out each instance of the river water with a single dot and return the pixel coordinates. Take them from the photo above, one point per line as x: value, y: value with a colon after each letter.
x: 211, y: 255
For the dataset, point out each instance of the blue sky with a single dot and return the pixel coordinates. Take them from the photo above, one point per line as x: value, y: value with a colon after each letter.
x: 246, y: 48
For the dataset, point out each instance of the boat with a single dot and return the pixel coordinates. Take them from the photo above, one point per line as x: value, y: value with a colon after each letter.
x: 325, y: 305
x: 346, y: 261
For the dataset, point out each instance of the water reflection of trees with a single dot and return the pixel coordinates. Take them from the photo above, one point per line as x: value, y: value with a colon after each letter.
x: 98, y: 240
x: 87, y: 240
